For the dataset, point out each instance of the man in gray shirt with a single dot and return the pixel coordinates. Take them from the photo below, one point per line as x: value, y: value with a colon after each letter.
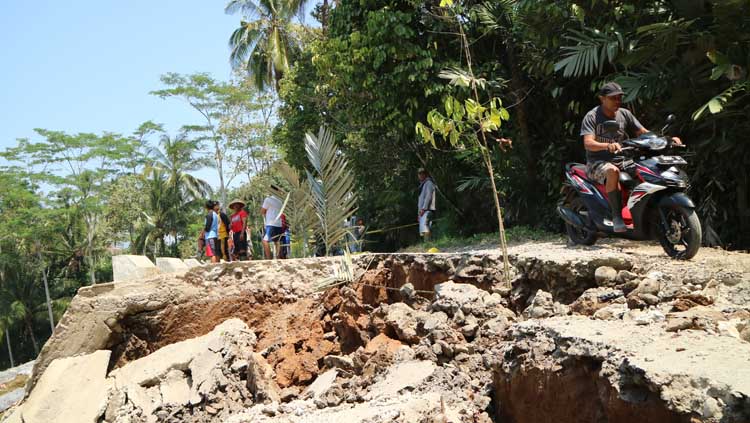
x: 426, y: 203
x: 601, y: 146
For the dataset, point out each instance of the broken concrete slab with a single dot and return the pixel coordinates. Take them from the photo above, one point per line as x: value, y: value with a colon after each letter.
x: 260, y: 380
x: 175, y: 389
x: 131, y: 267
x: 321, y: 384
x: 171, y: 265
x: 408, y: 374
x: 179, y: 356
x: 71, y: 390
x: 191, y: 262
x: 674, y: 375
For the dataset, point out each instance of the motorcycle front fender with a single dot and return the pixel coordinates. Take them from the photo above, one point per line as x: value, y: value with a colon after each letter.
x: 677, y: 199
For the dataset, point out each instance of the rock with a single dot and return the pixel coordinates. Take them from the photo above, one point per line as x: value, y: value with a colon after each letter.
x: 129, y: 267
x: 624, y: 276
x: 649, y: 286
x: 260, y: 380
x: 470, y: 330
x: 288, y: 394
x: 594, y: 299
x: 338, y: 361
x: 451, y: 296
x: 605, y: 276
x: 494, y: 327
x: 407, y: 291
x: 438, y: 320
x: 383, y: 343
x: 700, y: 318
x: 729, y: 328
x: 613, y: 311
x: 71, y: 390
x: 171, y: 265
x: 321, y: 384
x: 175, y: 389
x: 645, y: 294
x: 649, y: 299
x: 270, y: 409
x: 649, y: 317
x: 403, y: 320
x: 403, y: 375
x: 540, y: 306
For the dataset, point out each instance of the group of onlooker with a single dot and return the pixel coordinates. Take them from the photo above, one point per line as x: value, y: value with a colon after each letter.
x: 224, y: 237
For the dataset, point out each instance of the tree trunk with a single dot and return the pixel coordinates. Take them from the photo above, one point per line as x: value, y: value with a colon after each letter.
x: 46, y: 293
x: 220, y: 170
x: 30, y: 331
x: 10, y: 350
x: 519, y: 88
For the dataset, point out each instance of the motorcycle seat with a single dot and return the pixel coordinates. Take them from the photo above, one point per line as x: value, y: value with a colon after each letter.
x: 578, y: 169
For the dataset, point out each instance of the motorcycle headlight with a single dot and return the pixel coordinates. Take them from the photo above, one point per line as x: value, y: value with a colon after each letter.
x: 657, y: 143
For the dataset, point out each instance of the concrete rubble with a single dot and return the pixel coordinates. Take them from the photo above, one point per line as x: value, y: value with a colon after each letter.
x: 601, y: 335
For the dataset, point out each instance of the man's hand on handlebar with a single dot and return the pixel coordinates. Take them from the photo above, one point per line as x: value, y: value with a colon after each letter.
x: 677, y: 141
x: 614, y: 147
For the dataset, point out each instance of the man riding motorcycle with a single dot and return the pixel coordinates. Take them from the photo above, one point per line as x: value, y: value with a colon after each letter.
x: 601, y: 145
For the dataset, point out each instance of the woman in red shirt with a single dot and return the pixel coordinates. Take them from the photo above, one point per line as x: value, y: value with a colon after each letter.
x: 238, y: 228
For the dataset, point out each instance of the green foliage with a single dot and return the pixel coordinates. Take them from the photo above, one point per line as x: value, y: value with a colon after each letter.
x: 331, y: 188
x: 266, y: 41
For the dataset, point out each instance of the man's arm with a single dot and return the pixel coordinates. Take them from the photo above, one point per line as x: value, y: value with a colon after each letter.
x: 207, y: 225
x: 591, y: 144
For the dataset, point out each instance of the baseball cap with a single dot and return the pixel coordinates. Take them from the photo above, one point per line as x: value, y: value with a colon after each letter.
x: 610, y: 89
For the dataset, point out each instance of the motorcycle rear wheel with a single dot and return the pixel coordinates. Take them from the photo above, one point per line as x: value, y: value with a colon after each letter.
x: 579, y: 236
x: 681, y: 234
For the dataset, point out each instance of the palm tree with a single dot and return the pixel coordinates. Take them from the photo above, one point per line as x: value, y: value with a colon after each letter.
x: 176, y: 160
x: 331, y: 187
x: 170, y: 190
x: 265, y: 43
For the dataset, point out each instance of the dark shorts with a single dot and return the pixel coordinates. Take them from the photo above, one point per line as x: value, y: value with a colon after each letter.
x: 273, y: 234
x: 212, y: 247
x: 597, y: 171
x: 240, y: 245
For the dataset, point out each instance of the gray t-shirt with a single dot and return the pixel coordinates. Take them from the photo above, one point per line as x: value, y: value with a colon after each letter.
x: 592, y: 124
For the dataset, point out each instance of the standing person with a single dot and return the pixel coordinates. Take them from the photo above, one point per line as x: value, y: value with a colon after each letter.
x: 426, y: 203
x: 211, y: 233
x: 286, y: 239
x: 223, y: 231
x: 601, y: 146
x: 271, y: 211
x: 239, y: 228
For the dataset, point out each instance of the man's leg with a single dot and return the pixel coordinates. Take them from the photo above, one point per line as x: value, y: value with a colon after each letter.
x: 615, y: 197
x: 266, y: 246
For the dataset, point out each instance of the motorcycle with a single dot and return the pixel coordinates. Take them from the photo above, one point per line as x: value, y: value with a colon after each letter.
x: 653, y: 191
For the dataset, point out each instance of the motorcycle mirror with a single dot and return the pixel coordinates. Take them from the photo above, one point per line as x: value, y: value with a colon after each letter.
x: 670, y: 120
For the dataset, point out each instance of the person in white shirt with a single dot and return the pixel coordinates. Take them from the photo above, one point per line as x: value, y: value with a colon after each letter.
x: 271, y: 211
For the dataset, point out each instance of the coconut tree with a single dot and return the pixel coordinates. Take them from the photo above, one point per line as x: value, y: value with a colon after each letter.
x: 265, y: 42
x: 170, y: 190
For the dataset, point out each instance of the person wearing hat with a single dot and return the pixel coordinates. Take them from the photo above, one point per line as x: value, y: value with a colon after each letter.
x: 238, y: 227
x: 601, y: 145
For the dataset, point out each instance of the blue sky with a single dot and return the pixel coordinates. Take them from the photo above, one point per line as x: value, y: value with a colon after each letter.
x: 88, y: 66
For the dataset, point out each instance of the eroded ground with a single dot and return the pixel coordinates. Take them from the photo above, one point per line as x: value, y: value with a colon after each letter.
x: 611, y: 333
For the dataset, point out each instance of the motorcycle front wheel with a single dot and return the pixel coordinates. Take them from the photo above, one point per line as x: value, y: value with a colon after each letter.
x: 680, y: 232
x: 579, y: 236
